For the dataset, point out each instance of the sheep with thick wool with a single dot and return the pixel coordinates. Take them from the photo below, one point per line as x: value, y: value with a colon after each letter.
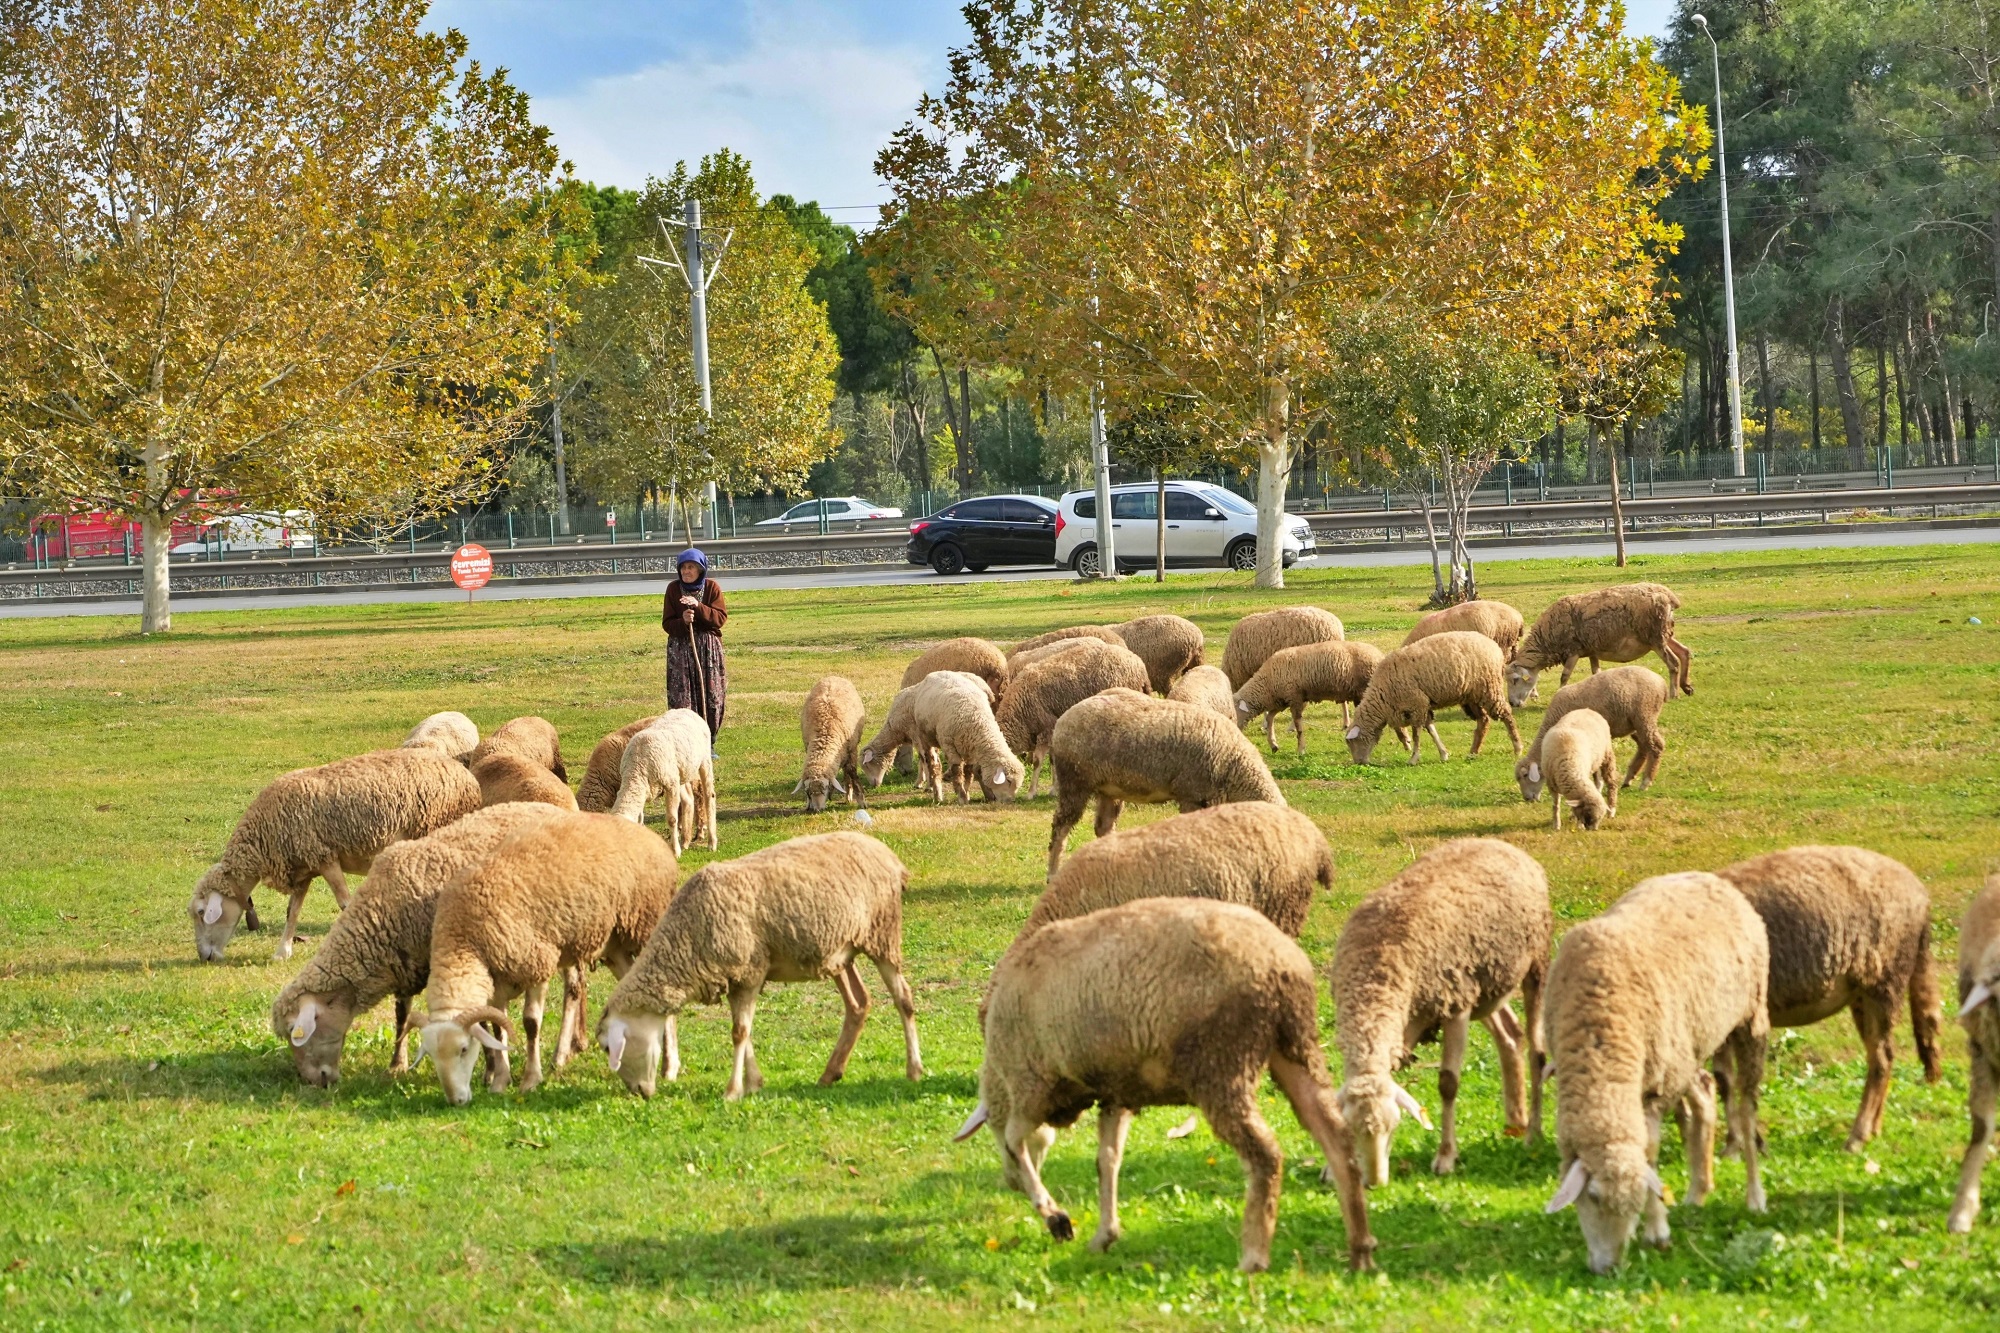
x: 1039, y: 695
x: 1254, y: 638
x: 956, y: 728
x: 601, y: 776
x: 1849, y: 929
x: 900, y: 733
x: 1123, y: 745
x: 1620, y: 624
x: 802, y: 910
x: 1496, y: 620
x: 532, y: 738
x: 673, y: 761
x: 327, y: 822
x: 1206, y: 687
x: 830, y: 726
x: 1629, y: 700
x: 1457, y: 668
x: 381, y: 945
x: 1168, y: 645
x: 1160, y: 1002
x: 1267, y: 857
x: 1103, y: 633
x: 1437, y: 948
x: 1027, y: 657
x: 1580, y: 768
x: 979, y: 657
x: 1336, y: 671
x: 450, y: 734
x: 1978, y: 983
x: 575, y: 890
x: 505, y: 777
x: 1638, y: 1000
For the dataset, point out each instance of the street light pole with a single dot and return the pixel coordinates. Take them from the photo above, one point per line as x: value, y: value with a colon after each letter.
x: 1728, y: 264
x: 698, y: 317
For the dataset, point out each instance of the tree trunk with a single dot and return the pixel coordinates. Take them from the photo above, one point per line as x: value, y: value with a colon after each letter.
x: 1430, y: 534
x: 1617, y: 501
x: 968, y: 457
x: 1852, y: 428
x: 1881, y: 394
x: 1764, y: 396
x: 1273, y: 465
x: 155, y: 616
x: 1159, y: 526
x: 556, y: 441
x: 1812, y: 372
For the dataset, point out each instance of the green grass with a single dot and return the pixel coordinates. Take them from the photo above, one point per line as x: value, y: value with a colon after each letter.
x: 160, y: 1166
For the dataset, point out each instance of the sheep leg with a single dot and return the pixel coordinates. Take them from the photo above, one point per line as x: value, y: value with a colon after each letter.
x: 708, y: 806
x: 569, y: 1035
x: 1531, y: 1020
x: 1071, y: 797
x: 284, y: 949
x: 1749, y: 1062
x: 906, y: 1009
x: 1698, y: 1136
x: 1653, y: 1216
x: 1479, y: 733
x: 850, y: 764
x: 1026, y: 1145
x: 1430, y: 725
x: 1723, y: 1083
x: 1872, y: 1020
x: 1238, y: 1123
x: 1556, y: 800
x: 1452, y: 1041
x: 1346, y: 713
x: 1506, y: 1032
x: 1569, y: 669
x: 1607, y: 778
x: 1979, y: 1100
x: 399, y: 1051
x: 1270, y: 730
x: 1313, y: 1104
x: 1683, y: 659
x: 336, y: 879
x: 854, y: 996
x: 250, y: 921
x: 1513, y: 731
x: 1108, y: 809
x: 534, y: 1001
x: 1035, y: 756
x: 742, y: 1008
x: 1113, y: 1123
x: 1298, y: 728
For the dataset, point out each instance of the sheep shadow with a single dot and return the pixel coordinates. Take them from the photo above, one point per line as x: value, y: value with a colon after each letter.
x: 808, y: 1253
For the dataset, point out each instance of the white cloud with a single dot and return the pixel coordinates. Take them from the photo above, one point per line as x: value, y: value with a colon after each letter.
x: 808, y: 104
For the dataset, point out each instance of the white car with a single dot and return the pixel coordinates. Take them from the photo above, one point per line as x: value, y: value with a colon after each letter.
x: 838, y: 509
x: 1206, y: 526
x: 289, y: 531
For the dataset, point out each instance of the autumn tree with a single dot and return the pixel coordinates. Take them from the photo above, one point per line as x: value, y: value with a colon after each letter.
x: 264, y: 255
x: 1159, y: 439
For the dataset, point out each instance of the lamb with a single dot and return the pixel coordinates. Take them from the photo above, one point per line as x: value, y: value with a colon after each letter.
x: 1255, y: 637
x: 899, y: 735
x: 505, y: 777
x: 1101, y: 632
x: 1638, y: 999
x: 1849, y: 929
x: 1206, y: 687
x: 1496, y: 620
x: 1168, y: 645
x: 955, y: 726
x: 1620, y: 624
x: 1456, y: 667
x: 671, y: 759
x: 1628, y: 699
x: 533, y: 738
x: 1161, y: 1001
x: 1580, y: 767
x: 830, y: 724
x: 450, y: 734
x: 575, y: 890
x: 1266, y: 857
x: 381, y: 945
x: 1441, y: 945
x: 330, y: 822
x: 979, y: 657
x: 600, y: 778
x: 1978, y: 981
x: 1336, y: 671
x: 1039, y: 695
x: 797, y: 911
x: 1124, y: 746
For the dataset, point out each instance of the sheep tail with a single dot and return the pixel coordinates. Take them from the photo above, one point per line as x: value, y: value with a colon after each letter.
x: 1297, y: 1035
x: 1925, y: 1011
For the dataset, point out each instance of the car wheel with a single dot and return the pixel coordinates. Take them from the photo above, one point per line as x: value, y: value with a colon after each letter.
x: 1243, y: 555
x: 977, y: 569
x: 1084, y: 562
x: 948, y: 560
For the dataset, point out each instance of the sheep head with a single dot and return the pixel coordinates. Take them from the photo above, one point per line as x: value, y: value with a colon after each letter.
x: 455, y: 1044
x: 1608, y: 1202
x: 1360, y: 744
x: 634, y: 1042
x: 316, y: 1027
x: 215, y: 915
x: 1521, y: 680
x: 1373, y: 1105
x: 875, y: 765
x: 1528, y: 773
x: 819, y: 792
x: 1001, y: 781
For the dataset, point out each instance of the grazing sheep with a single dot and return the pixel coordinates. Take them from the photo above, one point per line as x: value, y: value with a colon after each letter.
x: 1496, y: 620
x: 897, y: 736
x: 956, y: 730
x: 1620, y: 624
x: 830, y: 725
x: 1160, y: 1002
x: 1441, y: 945
x: 381, y: 945
x: 1039, y: 695
x: 1255, y: 637
x: 1638, y: 999
x: 799, y: 911
x: 1206, y: 687
x: 533, y: 738
x: 1266, y: 857
x: 572, y: 891
x: 450, y: 734
x: 1580, y: 767
x: 1168, y: 645
x: 1336, y: 671
x: 670, y: 760
x: 505, y: 777
x: 1629, y: 700
x: 1124, y: 746
x: 1027, y: 657
x: 600, y: 778
x: 1101, y: 632
x: 979, y: 657
x: 1456, y: 667
x: 330, y: 822
x: 1849, y: 929
x: 1978, y: 982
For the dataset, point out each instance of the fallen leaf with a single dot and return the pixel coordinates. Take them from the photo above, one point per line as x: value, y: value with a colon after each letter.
x: 102, y: 808
x: 852, y: 1171
x: 296, y: 1238
x: 1872, y: 1167
x: 533, y: 1143
x: 346, y: 1187
x: 20, y: 1264
x: 1910, y: 1264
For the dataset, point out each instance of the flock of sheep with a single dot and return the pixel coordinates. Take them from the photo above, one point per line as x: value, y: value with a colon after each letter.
x: 1160, y: 966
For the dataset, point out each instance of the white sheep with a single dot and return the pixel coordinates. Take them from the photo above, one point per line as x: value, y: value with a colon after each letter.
x: 1620, y: 624
x: 979, y: 657
x: 1456, y: 668
x: 1629, y: 700
x: 671, y: 760
x: 450, y: 734
x: 1978, y: 982
x: 1255, y: 637
x: 1335, y: 671
x: 1206, y: 687
x: 956, y: 730
x: 1580, y: 767
x: 830, y: 725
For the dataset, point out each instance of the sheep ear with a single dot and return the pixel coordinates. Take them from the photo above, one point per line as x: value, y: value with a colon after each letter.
x: 1412, y: 1105
x: 487, y: 1039
x: 303, y: 1025
x: 1534, y: 772
x: 1977, y: 996
x: 1572, y: 1188
x: 999, y: 777
x: 798, y: 786
x: 1354, y: 733
x: 614, y: 1041
x: 212, y: 913
x: 838, y: 790
x: 1656, y: 1185
x: 868, y: 756
x: 972, y: 1123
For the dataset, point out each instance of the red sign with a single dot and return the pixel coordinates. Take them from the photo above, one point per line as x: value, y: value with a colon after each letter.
x: 471, y: 566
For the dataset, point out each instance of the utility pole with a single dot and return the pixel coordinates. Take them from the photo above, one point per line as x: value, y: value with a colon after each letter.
x: 1100, y: 456
x: 1728, y: 264
x: 698, y: 277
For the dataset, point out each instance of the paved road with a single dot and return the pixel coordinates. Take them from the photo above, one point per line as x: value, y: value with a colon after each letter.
x: 890, y: 576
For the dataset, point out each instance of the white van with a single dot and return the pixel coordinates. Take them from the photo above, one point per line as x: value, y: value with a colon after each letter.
x: 1207, y: 526
x: 253, y: 531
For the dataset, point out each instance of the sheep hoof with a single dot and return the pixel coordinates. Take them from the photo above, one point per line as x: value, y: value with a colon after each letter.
x: 915, y: 1073
x: 282, y: 952
x: 830, y: 1077
x: 1103, y: 1241
x: 1441, y: 1165
x: 1060, y: 1226
x: 1254, y: 1263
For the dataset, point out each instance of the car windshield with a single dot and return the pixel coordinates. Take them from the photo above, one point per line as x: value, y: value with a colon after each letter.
x: 1229, y: 500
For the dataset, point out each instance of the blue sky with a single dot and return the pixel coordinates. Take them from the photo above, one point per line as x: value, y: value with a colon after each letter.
x: 807, y: 89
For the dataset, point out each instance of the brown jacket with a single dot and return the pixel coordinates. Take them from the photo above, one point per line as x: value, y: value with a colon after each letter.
x: 709, y: 617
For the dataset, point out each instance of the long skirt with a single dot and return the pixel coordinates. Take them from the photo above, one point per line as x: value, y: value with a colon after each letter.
x: 706, y: 693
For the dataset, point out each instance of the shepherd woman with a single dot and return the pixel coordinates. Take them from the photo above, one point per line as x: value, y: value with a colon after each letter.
x: 692, y: 616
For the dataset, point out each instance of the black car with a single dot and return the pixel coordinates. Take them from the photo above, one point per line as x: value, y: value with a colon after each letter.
x: 991, y: 530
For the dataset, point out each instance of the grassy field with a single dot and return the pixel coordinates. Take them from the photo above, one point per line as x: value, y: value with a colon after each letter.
x: 163, y: 1168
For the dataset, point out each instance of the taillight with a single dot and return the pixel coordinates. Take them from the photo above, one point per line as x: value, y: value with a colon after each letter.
x: 918, y: 527
x: 1059, y: 523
